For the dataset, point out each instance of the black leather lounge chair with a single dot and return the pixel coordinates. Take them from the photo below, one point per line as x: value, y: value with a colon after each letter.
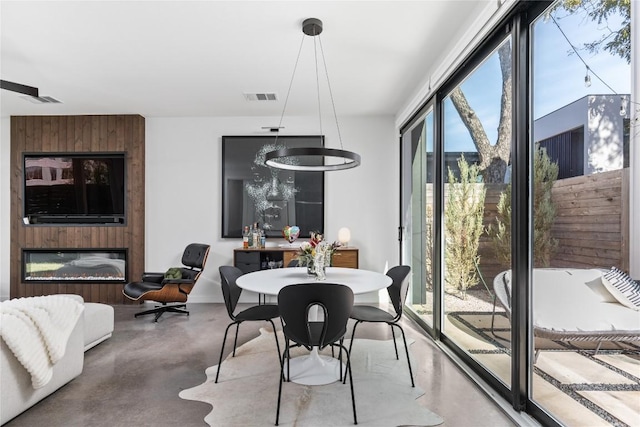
x: 155, y: 287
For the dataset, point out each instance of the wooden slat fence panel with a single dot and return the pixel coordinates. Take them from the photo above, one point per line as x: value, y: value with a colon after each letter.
x: 591, y: 220
x: 591, y: 225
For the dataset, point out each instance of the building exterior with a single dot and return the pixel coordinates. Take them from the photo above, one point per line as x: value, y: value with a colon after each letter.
x: 588, y: 136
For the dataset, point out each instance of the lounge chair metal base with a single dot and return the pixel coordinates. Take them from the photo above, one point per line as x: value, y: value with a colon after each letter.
x: 161, y: 309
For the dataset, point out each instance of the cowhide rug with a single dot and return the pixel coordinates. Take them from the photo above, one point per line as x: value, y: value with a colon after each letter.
x: 247, y: 391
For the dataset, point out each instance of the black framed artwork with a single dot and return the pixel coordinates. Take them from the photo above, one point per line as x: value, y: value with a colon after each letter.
x: 253, y: 192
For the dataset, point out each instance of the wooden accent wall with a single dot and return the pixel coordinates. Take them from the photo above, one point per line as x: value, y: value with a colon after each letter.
x: 81, y: 134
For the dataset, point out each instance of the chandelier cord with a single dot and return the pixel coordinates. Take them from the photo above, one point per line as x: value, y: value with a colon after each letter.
x: 315, y: 60
x: 293, y: 75
x: 333, y: 105
x: 276, y: 158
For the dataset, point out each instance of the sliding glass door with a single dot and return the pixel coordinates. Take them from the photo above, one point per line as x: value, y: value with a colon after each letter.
x: 582, y: 370
x: 477, y: 123
x: 417, y: 214
x: 515, y: 186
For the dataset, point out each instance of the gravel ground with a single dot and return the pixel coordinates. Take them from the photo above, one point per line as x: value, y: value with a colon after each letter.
x: 476, y: 300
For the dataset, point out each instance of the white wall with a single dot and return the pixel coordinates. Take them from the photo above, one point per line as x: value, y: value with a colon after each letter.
x: 604, y: 136
x: 599, y: 117
x: 569, y: 117
x: 183, y: 191
x: 182, y: 178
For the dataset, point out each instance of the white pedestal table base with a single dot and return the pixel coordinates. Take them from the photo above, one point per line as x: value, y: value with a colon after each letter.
x: 315, y: 369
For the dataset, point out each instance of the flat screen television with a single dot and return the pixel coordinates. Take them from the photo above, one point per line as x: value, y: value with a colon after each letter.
x: 74, y: 188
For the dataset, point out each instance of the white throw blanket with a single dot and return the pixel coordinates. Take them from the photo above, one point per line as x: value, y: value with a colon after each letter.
x: 37, y: 329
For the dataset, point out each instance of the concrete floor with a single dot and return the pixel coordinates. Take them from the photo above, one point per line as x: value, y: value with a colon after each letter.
x: 133, y: 379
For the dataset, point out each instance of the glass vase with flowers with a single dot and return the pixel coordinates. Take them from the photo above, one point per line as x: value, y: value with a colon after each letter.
x: 316, y: 255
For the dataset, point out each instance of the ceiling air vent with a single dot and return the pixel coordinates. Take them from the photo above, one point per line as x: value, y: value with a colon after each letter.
x: 261, y: 96
x: 42, y: 99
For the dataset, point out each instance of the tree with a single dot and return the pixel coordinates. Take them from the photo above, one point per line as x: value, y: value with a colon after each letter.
x: 495, y: 158
x: 545, y: 173
x: 617, y: 41
x: 464, y: 212
x: 428, y: 247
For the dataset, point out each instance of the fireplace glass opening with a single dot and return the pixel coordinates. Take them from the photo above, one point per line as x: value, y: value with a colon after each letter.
x: 74, y: 265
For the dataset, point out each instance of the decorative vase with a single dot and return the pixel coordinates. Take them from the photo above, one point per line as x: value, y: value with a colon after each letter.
x: 319, y: 266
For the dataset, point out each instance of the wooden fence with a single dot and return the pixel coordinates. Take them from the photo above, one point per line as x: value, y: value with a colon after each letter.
x: 591, y: 225
x: 592, y: 220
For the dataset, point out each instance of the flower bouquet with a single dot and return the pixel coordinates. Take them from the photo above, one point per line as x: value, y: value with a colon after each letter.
x: 316, y: 254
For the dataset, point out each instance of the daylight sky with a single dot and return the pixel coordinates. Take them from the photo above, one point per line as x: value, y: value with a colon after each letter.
x: 558, y: 77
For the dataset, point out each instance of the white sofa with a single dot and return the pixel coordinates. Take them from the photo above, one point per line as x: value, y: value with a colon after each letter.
x: 16, y: 391
x: 98, y: 323
x: 573, y: 305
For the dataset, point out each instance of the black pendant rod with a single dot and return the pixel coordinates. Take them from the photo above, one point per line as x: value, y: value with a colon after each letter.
x: 17, y: 87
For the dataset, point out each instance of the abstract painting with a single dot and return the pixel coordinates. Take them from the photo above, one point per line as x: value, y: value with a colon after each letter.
x: 274, y: 198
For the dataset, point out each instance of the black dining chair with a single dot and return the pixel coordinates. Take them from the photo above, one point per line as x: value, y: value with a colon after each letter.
x: 231, y: 293
x: 335, y: 303
x: 397, y: 294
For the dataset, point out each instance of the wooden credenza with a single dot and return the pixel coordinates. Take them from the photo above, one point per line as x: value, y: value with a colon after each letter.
x: 249, y: 260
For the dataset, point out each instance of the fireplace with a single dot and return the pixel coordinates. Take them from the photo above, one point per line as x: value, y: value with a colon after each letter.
x: 74, y: 265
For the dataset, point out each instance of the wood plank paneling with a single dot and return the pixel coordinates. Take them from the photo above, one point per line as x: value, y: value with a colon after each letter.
x: 591, y: 220
x: 79, y: 134
x: 625, y: 207
x: 591, y: 223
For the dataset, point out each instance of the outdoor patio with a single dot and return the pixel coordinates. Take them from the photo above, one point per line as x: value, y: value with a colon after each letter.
x: 573, y: 383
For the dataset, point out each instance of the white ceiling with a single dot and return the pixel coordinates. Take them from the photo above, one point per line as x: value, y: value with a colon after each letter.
x: 197, y: 58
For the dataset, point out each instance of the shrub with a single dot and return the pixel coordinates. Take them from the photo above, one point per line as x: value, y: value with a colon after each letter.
x: 464, y: 212
x: 545, y: 174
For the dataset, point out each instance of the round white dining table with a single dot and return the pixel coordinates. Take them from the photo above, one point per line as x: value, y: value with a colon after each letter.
x: 313, y: 369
